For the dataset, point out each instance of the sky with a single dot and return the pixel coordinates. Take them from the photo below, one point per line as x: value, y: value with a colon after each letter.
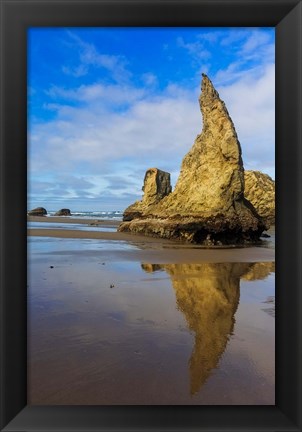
x: 106, y: 104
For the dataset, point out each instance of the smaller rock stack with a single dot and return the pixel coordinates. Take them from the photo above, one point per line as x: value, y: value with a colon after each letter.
x: 156, y: 186
x: 260, y: 191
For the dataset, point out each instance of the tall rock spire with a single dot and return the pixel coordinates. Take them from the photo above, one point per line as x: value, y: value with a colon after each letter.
x: 208, y: 204
x: 212, y: 174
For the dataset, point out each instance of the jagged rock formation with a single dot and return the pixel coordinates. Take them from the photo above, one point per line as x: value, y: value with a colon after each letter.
x: 208, y: 204
x: 39, y: 211
x: 208, y: 295
x: 260, y: 191
x: 63, y: 212
x: 156, y: 186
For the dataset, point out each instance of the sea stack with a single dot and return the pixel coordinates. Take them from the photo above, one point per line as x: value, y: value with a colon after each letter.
x: 63, y: 212
x: 38, y: 211
x: 260, y: 191
x: 208, y: 204
x: 157, y: 185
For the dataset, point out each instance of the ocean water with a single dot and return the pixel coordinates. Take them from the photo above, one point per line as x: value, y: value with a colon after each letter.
x: 113, y: 214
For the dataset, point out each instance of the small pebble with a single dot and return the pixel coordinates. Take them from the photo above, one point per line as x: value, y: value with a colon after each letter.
x: 51, y: 267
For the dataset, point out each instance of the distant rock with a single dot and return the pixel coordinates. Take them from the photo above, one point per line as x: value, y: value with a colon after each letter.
x: 39, y: 211
x: 156, y: 186
x: 208, y: 205
x: 63, y: 212
x: 260, y: 191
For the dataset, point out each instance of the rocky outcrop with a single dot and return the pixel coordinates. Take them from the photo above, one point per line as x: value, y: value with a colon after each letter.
x: 260, y: 191
x: 63, y: 212
x: 208, y: 205
x: 39, y: 211
x: 156, y: 186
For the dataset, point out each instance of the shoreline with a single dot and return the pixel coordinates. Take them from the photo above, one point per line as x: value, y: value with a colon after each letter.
x: 73, y: 220
x: 159, y: 252
x: 152, y: 249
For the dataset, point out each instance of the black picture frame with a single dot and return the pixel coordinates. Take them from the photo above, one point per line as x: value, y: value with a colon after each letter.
x: 16, y: 17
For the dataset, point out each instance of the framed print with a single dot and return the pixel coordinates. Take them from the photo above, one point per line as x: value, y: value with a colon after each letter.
x: 134, y: 309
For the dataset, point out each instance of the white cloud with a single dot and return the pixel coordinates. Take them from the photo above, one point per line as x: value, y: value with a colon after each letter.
x: 77, y: 71
x: 103, y: 94
x: 234, y: 38
x: 256, y: 40
x: 195, y: 49
x: 251, y: 104
x: 255, y: 55
x: 89, y: 56
x: 149, y: 79
x: 147, y: 131
x: 211, y: 37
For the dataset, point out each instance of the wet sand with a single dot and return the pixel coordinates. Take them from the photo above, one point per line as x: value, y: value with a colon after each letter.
x: 123, y: 319
x: 71, y: 219
x: 150, y: 248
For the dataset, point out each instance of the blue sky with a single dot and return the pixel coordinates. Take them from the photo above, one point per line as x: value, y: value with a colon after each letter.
x: 106, y: 104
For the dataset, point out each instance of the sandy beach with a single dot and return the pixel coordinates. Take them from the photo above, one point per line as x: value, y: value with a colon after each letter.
x: 150, y: 247
x: 117, y: 318
x: 68, y: 220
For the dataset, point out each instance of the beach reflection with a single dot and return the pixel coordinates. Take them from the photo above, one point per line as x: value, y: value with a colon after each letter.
x: 208, y: 296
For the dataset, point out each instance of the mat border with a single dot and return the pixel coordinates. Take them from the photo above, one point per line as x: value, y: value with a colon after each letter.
x: 16, y: 17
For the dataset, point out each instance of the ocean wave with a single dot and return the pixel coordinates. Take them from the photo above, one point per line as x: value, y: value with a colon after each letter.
x: 115, y: 214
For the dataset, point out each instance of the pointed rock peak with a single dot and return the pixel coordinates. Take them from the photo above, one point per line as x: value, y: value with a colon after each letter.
x: 215, y: 114
x: 208, y: 91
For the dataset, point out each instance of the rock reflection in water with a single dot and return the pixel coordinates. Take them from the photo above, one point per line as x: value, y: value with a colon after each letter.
x: 208, y: 296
